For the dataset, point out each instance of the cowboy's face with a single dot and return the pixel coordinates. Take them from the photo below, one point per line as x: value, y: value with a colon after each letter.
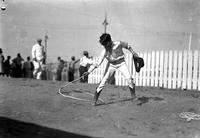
x: 106, y: 43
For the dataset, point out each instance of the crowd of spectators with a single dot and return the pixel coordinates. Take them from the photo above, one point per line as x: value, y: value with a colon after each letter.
x: 61, y: 70
x: 16, y: 67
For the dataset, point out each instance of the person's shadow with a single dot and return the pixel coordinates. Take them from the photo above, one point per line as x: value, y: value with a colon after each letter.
x: 139, y: 101
x: 10, y: 128
x: 144, y: 99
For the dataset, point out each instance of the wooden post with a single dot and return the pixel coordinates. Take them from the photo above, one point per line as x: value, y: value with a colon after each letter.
x: 45, y: 47
x: 105, y: 23
x: 170, y: 65
x: 195, y: 70
x: 190, y: 42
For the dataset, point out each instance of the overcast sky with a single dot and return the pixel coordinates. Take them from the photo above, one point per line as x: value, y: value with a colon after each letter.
x: 75, y: 25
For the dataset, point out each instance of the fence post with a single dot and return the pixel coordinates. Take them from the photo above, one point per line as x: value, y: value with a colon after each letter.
x: 161, y: 67
x: 199, y: 73
x: 195, y: 70
x: 170, y: 70
x: 189, y: 71
x: 152, y: 68
x: 157, y: 68
x: 165, y: 79
x: 184, y: 84
x: 175, y: 69
x: 148, y: 68
x: 180, y: 68
x: 141, y: 72
x: 145, y: 69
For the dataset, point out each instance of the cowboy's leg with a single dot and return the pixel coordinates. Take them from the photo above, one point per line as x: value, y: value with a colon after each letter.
x: 124, y: 70
x: 108, y: 73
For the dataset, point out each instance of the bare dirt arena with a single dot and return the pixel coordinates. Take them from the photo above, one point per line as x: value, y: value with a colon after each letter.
x: 33, y: 109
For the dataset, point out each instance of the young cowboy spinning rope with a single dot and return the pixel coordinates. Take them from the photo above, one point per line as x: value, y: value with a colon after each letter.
x: 116, y: 60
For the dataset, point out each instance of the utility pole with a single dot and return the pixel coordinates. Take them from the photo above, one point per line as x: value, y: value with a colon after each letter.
x: 105, y: 23
x: 44, y: 73
x: 190, y: 41
x: 45, y: 47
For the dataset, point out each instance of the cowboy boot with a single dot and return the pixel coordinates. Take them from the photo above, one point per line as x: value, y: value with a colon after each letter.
x: 132, y: 91
x: 96, y: 96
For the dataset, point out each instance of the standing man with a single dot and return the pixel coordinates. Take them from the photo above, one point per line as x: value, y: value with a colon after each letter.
x: 18, y: 64
x: 85, y: 63
x: 7, y: 66
x: 71, y: 69
x: 38, y: 56
x: 59, y: 68
x: 1, y: 63
x: 116, y: 60
x: 28, y: 68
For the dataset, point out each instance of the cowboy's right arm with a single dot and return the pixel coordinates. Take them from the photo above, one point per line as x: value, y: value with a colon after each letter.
x: 101, y: 58
x: 98, y: 63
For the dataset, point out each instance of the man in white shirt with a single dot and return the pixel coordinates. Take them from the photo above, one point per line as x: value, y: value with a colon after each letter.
x: 85, y: 63
x: 38, y: 58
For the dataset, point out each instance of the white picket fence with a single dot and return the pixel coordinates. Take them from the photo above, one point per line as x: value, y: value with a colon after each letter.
x: 167, y: 69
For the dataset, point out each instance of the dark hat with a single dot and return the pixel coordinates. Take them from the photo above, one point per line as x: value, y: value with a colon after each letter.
x: 73, y: 57
x: 105, y: 38
x: 85, y: 53
x: 39, y: 40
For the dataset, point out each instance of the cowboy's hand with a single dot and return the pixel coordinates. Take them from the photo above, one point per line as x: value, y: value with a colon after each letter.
x: 95, y: 66
x: 85, y: 73
x: 34, y: 59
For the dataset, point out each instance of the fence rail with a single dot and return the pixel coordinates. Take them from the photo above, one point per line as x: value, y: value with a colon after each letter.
x: 167, y: 69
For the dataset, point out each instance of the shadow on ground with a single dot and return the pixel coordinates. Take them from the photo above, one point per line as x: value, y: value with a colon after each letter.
x: 144, y: 99
x: 10, y: 128
x: 140, y: 101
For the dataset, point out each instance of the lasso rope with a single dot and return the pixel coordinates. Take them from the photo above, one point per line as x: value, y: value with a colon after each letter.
x: 73, y: 97
x: 189, y: 116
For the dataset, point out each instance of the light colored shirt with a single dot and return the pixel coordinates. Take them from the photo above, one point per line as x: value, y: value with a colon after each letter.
x: 84, y: 61
x: 116, y: 54
x: 38, y: 52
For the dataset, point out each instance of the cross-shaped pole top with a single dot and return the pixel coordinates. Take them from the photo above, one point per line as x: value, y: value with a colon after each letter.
x: 105, y: 23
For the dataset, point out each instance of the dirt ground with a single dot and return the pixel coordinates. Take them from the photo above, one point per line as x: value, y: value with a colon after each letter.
x: 33, y: 109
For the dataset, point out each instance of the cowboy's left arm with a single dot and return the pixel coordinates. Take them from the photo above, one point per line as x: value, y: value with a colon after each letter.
x: 132, y: 51
x: 129, y: 47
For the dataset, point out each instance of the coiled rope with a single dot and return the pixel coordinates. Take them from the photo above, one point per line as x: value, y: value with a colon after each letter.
x: 189, y: 116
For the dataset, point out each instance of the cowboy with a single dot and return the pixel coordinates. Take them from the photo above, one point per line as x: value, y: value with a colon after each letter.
x: 113, y: 52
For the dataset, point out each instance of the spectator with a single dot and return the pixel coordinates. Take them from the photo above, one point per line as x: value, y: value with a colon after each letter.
x: 1, y: 63
x: 28, y: 68
x: 71, y: 69
x: 18, y: 63
x: 38, y: 56
x: 113, y: 52
x: 13, y: 69
x: 59, y: 67
x: 7, y: 66
x: 65, y: 72
x: 85, y: 63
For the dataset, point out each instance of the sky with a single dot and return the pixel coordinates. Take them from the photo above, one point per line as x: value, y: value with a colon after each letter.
x: 75, y: 25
